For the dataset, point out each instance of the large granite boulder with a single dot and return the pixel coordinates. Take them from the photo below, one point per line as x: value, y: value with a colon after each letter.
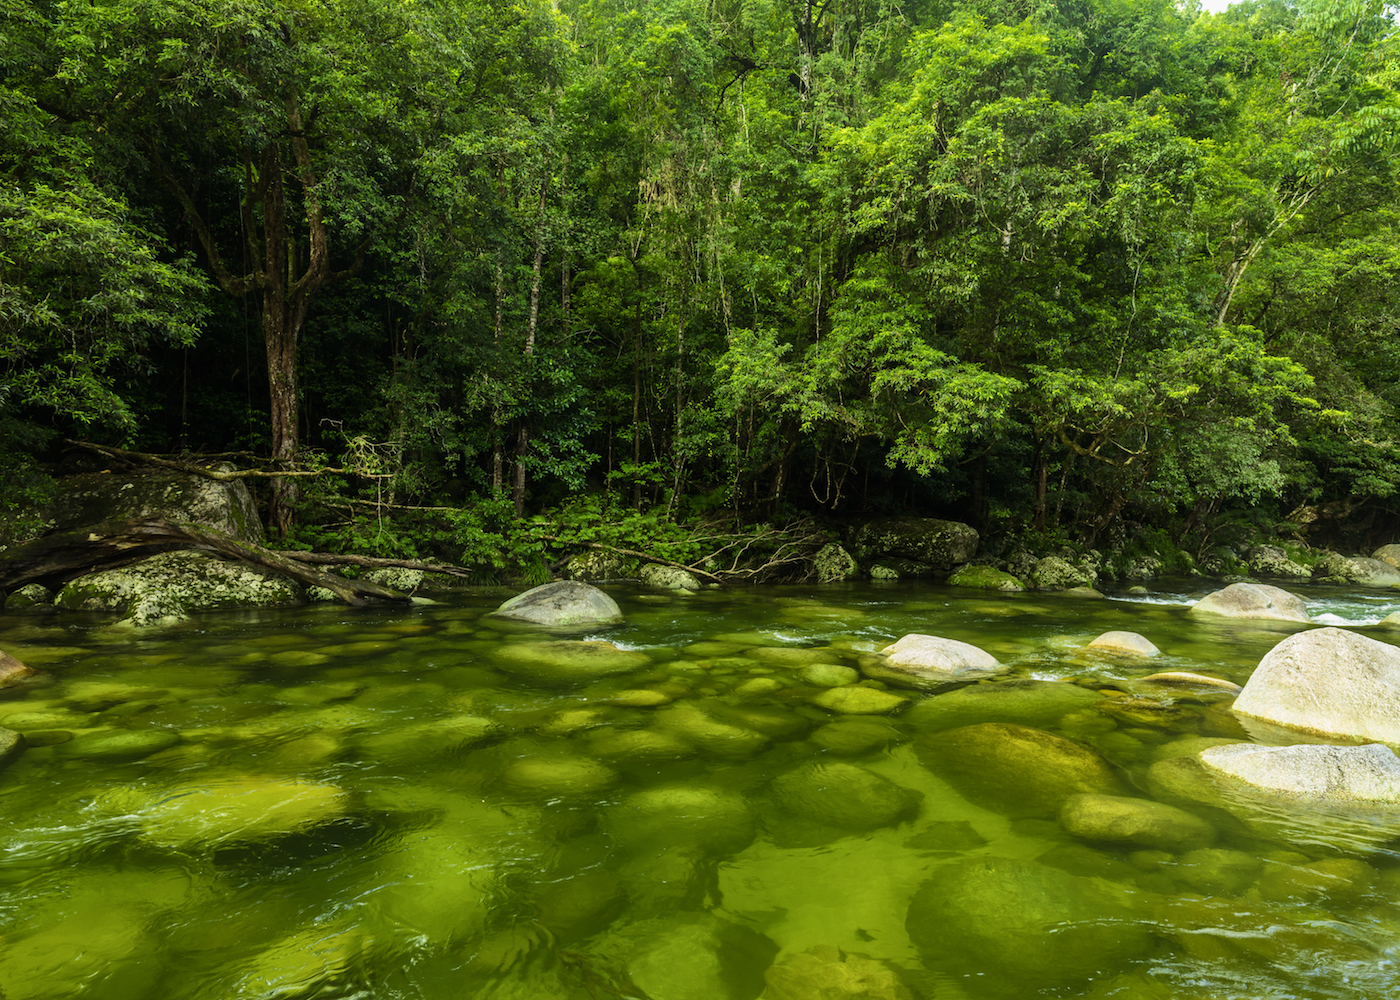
x: 91, y: 498
x: 1270, y: 560
x: 171, y: 586
x: 1019, y: 923
x: 926, y: 661
x: 562, y: 604
x: 1339, y: 774
x: 1358, y: 570
x: 1016, y: 770
x: 1252, y: 600
x: 940, y: 544
x: 1328, y: 681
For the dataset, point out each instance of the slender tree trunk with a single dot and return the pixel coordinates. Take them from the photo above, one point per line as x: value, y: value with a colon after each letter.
x: 1042, y: 475
x: 522, y: 438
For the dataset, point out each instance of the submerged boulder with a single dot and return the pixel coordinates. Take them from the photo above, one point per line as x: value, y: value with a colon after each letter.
x: 1328, y: 681
x: 562, y: 604
x: 11, y: 746
x: 828, y: 973
x: 1016, y: 770
x: 1253, y: 600
x: 940, y: 544
x: 1020, y: 923
x: 682, y: 816
x: 845, y: 795
x: 566, y: 663
x: 699, y: 956
x: 924, y: 661
x: 1140, y: 822
x: 1019, y: 700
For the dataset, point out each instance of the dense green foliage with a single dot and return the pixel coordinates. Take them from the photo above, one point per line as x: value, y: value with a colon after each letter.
x: 1084, y: 268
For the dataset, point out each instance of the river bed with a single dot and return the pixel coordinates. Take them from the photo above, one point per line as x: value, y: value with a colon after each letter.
x: 421, y: 803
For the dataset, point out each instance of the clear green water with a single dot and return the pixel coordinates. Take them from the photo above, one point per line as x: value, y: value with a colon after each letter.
x: 380, y: 804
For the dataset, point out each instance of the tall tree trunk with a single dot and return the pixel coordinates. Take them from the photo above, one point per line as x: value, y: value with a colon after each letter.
x: 522, y: 439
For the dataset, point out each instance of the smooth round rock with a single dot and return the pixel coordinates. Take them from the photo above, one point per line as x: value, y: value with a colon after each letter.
x: 563, y: 603
x: 1187, y: 678
x: 856, y: 700
x: 828, y: 675
x: 1129, y: 643
x: 681, y: 816
x: 118, y: 744
x: 1368, y: 773
x: 1329, y: 681
x: 558, y: 777
x: 566, y: 663
x: 1252, y: 600
x: 1140, y: 822
x: 925, y: 661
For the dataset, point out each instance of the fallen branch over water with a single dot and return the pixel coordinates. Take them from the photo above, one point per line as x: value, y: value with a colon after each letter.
x: 55, y: 559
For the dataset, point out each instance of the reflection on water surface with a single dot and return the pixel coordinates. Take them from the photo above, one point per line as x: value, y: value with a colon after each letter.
x: 326, y: 803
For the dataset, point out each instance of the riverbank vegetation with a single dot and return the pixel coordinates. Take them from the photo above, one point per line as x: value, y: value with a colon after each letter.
x: 1101, y: 272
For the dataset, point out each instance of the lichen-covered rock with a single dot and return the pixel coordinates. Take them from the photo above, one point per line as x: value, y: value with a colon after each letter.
x: 156, y: 493
x: 1270, y: 560
x: 31, y: 595
x: 1140, y: 822
x: 941, y: 544
x: 1129, y: 643
x: 828, y: 973
x: 1022, y: 923
x: 1016, y: 770
x: 985, y: 578
x: 1252, y: 600
x: 681, y: 816
x: 1357, y: 570
x: 833, y: 564
x: 927, y: 661
x: 599, y: 564
x: 845, y: 795
x: 566, y: 663
x: 1329, y: 681
x: 397, y: 577
x: 562, y: 604
x: 669, y: 577
x: 1056, y: 573
x: 169, y: 587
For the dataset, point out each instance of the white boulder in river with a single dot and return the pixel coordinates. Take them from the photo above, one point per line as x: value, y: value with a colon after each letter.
x: 562, y: 603
x: 1253, y: 600
x: 1369, y: 773
x: 929, y: 660
x: 1328, y: 681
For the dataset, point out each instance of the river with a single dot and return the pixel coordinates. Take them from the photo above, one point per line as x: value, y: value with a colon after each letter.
x: 336, y: 803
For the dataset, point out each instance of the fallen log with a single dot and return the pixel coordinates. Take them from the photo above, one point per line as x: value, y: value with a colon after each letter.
x: 373, y: 562
x: 55, y: 559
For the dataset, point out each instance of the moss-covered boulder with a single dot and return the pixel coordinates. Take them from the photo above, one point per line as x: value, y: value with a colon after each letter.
x: 699, y: 956
x: 1018, y: 923
x: 985, y: 578
x: 1058, y: 573
x: 566, y: 663
x: 717, y: 735
x: 562, y: 604
x: 669, y: 578
x: 1272, y: 561
x: 1355, y: 570
x: 936, y: 543
x: 844, y: 795
x: 171, y: 586
x: 856, y: 699
x: 599, y: 564
x: 833, y: 564
x: 117, y: 744
x: 1016, y: 770
x: 828, y: 973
